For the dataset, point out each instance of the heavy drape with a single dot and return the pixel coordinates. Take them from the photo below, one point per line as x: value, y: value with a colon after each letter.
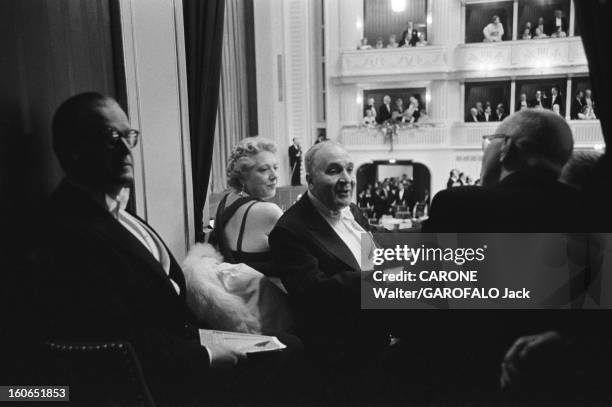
x: 594, y: 17
x: 203, y: 44
x: 233, y: 113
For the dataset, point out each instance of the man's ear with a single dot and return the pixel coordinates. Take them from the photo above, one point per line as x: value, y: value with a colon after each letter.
x: 308, y: 179
x: 508, y: 151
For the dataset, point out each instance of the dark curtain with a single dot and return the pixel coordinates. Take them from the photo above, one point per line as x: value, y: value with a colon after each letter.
x: 593, y: 17
x: 203, y: 45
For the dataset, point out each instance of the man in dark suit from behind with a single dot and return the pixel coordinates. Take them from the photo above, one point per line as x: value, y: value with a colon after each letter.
x: 520, y: 193
x: 104, y: 274
x: 577, y: 105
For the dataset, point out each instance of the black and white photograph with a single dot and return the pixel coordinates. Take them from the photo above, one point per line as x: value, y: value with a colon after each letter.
x: 311, y: 203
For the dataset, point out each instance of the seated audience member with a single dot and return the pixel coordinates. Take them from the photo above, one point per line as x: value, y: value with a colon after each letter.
x: 317, y: 244
x: 480, y: 111
x: 555, y: 98
x: 587, y: 113
x: 405, y: 37
x: 462, y: 179
x: 523, y: 159
x: 560, y: 24
x: 556, y: 109
x: 473, y: 116
x: 385, y: 110
x: 494, y: 31
x: 370, y: 106
x: 558, y: 33
x: 321, y: 137
x: 453, y: 179
x: 526, y: 34
x: 369, y: 119
x: 577, y: 105
x: 392, y: 41
x: 244, y: 219
x: 500, y: 112
x: 413, y: 113
x: 541, y: 26
x: 469, y: 180
x: 539, y: 34
x: 401, y: 195
x: 522, y: 102
x: 398, y: 110
x: 364, y: 44
x: 106, y: 275
x: 588, y: 100
x: 488, y: 115
x: 379, y: 43
x: 539, y: 102
x: 414, y: 39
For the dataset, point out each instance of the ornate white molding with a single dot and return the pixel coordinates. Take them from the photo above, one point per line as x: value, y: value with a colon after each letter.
x: 394, y: 61
x: 459, y: 136
x: 560, y: 56
x: 514, y: 55
x: 356, y: 138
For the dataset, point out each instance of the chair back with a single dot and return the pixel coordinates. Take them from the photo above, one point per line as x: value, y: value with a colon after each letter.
x: 98, y: 373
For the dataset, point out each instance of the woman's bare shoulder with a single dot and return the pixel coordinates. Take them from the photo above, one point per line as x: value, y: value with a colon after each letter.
x: 267, y: 211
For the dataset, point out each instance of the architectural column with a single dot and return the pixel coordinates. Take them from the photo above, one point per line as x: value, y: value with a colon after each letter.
x: 154, y: 55
x: 512, y: 106
x: 572, y: 19
x: 515, y: 21
x: 443, y: 18
x: 568, y: 98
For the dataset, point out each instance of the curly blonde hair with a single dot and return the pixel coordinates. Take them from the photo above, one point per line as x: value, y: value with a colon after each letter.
x: 240, y: 161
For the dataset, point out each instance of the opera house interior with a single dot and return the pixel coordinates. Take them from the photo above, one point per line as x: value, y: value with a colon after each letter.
x: 188, y: 187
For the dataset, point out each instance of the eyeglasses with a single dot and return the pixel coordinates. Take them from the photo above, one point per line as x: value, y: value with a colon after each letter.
x: 486, y: 140
x: 112, y: 137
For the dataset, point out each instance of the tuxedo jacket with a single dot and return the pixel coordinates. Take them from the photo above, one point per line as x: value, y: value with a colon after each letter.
x: 293, y: 155
x: 324, y: 281
x: 576, y: 107
x: 383, y: 113
x: 558, y: 101
x: 97, y: 282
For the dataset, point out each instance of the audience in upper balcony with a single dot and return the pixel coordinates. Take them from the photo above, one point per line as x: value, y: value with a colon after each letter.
x: 364, y: 44
x: 559, y: 33
x: 473, y: 116
x: 488, y: 115
x: 453, y: 179
x: 413, y: 113
x: 539, y: 34
x: 560, y: 24
x: 539, y: 101
x: 556, y: 98
x: 526, y: 34
x: 577, y: 105
x: 369, y: 119
x: 398, y: 110
x: 500, y: 112
x: 411, y: 37
x: 480, y: 110
x: 540, y: 25
x: 370, y: 106
x: 522, y: 104
x: 385, y: 110
x: 494, y: 31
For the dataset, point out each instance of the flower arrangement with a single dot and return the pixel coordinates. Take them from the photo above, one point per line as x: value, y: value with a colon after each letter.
x: 391, y: 127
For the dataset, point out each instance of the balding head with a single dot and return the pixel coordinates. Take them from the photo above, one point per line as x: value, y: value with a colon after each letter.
x: 535, y: 139
x: 329, y: 173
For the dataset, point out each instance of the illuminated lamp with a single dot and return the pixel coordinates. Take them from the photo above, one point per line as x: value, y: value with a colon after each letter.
x: 398, y: 5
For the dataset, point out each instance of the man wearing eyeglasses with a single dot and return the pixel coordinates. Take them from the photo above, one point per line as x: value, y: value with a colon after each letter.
x: 105, y: 274
x: 520, y: 193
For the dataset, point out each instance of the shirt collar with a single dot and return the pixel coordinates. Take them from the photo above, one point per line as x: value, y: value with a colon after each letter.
x: 344, y: 213
x: 118, y: 202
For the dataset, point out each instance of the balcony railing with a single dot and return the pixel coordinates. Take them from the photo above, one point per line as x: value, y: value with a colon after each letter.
x: 587, y: 134
x: 508, y: 58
